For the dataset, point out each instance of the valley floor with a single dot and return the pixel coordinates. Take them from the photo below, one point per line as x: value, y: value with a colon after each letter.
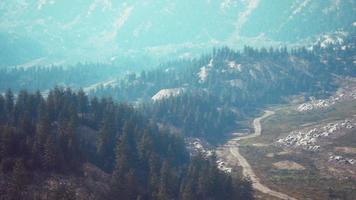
x: 232, y: 147
x: 298, y: 170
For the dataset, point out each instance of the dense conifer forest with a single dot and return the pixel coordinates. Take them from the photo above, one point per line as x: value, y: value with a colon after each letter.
x: 60, y: 135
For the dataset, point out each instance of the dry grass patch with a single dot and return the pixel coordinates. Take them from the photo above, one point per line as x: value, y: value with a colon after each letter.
x: 260, y: 145
x: 270, y: 155
x: 349, y: 150
x: 288, y: 165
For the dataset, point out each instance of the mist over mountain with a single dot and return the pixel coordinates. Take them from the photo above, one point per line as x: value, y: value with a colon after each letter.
x: 177, y: 100
x: 119, y: 31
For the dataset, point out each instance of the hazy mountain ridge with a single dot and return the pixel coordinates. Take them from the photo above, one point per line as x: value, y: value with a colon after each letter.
x: 105, y: 30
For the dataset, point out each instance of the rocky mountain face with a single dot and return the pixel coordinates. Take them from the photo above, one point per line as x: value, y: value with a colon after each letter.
x: 112, y: 31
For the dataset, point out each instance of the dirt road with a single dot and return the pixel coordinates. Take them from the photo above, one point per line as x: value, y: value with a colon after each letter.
x: 233, y: 147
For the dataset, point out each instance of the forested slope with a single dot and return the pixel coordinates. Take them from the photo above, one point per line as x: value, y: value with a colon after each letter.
x: 205, y: 96
x: 53, y: 147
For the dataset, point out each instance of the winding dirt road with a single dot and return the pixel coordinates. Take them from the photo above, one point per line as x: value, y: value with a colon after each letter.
x: 233, y: 147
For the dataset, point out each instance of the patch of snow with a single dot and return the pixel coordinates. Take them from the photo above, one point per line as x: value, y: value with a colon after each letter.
x: 166, y: 93
x: 186, y: 55
x: 104, y: 84
x: 119, y: 23
x: 113, y: 58
x: 315, y: 104
x: 336, y: 38
x: 250, y: 6
x: 204, y: 71
x: 196, y: 145
x: 41, y: 3
x: 226, y: 4
x: 253, y: 74
x: 341, y: 160
x: 236, y: 83
x: 32, y: 63
x: 222, y: 166
x: 169, y: 69
x: 203, y: 74
x: 210, y: 65
x: 307, y: 139
x: 104, y: 4
x: 234, y: 65
x: 341, y: 95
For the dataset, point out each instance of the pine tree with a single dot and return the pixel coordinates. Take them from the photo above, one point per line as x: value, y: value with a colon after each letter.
x: 9, y: 105
x: 203, y: 184
x: 145, y: 147
x: 43, y: 129
x: 131, y: 184
x: 118, y: 184
x: 188, y: 191
x: 2, y: 109
x: 19, y: 180
x: 83, y: 102
x: 73, y: 143
x: 106, y: 142
x: 49, y: 157
x: 63, y: 192
x: 153, y: 171
x: 164, y: 190
x: 124, y: 165
x: 244, y: 189
x: 125, y: 151
x: 8, y: 145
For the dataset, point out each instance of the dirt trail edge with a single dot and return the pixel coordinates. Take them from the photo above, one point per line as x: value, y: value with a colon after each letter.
x: 233, y: 147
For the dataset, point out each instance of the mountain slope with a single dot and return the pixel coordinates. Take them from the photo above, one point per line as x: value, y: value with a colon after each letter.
x: 105, y: 30
x: 227, y: 85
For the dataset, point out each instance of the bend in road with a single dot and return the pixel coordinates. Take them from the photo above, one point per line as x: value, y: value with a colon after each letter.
x: 247, y: 170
